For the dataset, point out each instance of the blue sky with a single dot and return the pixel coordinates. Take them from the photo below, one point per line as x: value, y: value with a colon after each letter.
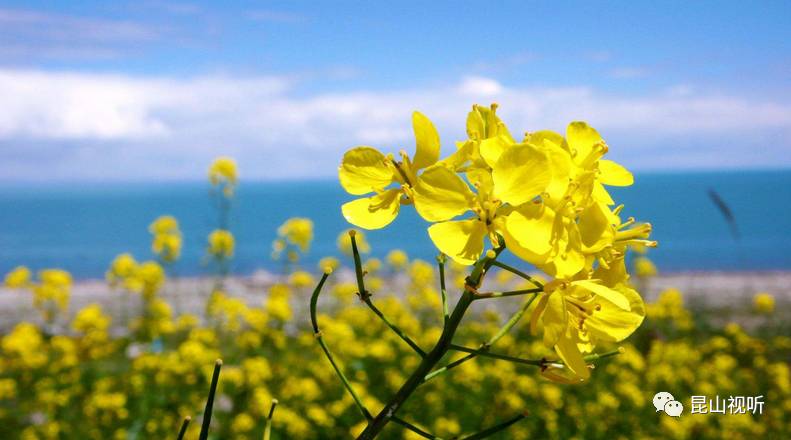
x: 152, y: 90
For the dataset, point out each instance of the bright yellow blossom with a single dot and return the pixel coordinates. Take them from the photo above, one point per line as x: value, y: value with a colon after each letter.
x: 19, y: 277
x: 764, y: 303
x: 223, y: 173
x: 365, y: 170
x: 167, y: 238
x: 221, y: 243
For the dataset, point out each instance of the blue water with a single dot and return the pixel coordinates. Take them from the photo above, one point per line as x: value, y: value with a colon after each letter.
x: 81, y: 227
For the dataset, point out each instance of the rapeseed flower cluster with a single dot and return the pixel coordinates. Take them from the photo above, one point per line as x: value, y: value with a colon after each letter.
x: 166, y: 244
x: 542, y: 197
x: 293, y: 239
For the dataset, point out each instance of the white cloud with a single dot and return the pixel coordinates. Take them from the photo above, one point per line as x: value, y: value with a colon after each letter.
x: 140, y: 127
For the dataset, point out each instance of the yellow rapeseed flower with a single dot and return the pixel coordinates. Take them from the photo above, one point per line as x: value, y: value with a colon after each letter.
x: 19, y: 277
x: 221, y: 243
x: 764, y: 303
x: 365, y: 170
x: 223, y: 172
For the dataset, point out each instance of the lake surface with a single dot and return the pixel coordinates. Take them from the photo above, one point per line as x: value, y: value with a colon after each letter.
x: 81, y: 227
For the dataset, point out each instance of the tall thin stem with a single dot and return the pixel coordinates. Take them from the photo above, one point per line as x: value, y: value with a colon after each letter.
x: 442, y: 346
x: 184, y: 426
x: 204, y: 430
x: 268, y: 425
x: 320, y: 338
x: 365, y: 296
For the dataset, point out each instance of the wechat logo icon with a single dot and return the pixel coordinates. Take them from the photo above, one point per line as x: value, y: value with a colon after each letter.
x: 664, y: 401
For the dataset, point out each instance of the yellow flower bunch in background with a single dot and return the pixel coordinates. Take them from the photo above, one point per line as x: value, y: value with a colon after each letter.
x: 223, y: 175
x: 294, y: 237
x: 221, y: 244
x: 51, y: 294
x: 166, y: 242
x: 18, y: 278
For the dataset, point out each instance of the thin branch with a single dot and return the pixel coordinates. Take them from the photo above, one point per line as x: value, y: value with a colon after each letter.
x: 184, y: 426
x: 414, y: 428
x: 317, y: 333
x: 358, y: 265
x: 394, y: 328
x: 502, y: 332
x: 441, y: 258
x: 486, y: 353
x: 596, y: 356
x: 453, y: 364
x: 204, y: 430
x: 485, y: 295
x: 496, y: 428
x: 365, y: 296
x: 518, y: 272
x: 268, y: 425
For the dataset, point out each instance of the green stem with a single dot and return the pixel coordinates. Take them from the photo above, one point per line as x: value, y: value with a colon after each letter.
x: 597, y: 356
x: 432, y: 357
x: 441, y: 262
x: 495, y: 429
x: 268, y: 425
x: 415, y: 429
x: 204, y: 430
x: 358, y: 265
x: 314, y: 321
x: 453, y: 364
x: 394, y: 328
x: 507, y: 293
x: 486, y: 353
x: 502, y: 332
x: 184, y: 426
x: 518, y: 272
x: 365, y: 296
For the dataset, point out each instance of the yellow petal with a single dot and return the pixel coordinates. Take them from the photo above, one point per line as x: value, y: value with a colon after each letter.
x: 600, y: 194
x: 461, y: 240
x: 521, y: 173
x: 567, y: 257
x: 596, y: 228
x: 373, y: 212
x: 440, y: 194
x: 491, y: 149
x: 611, y: 295
x: 427, y: 140
x: 543, y: 136
x: 581, y: 138
x: 537, y: 312
x: 612, y: 323
x: 561, y: 165
x: 476, y: 126
x: 555, y: 319
x: 614, y: 174
x: 568, y: 351
x: 529, y: 232
x: 364, y: 170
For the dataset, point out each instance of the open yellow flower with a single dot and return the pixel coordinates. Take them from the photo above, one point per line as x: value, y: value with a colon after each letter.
x: 488, y: 136
x: 577, y: 314
x: 366, y: 170
x: 221, y: 243
x: 519, y: 173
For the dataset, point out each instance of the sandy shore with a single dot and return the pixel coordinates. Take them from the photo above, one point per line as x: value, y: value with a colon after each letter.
x: 189, y: 294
